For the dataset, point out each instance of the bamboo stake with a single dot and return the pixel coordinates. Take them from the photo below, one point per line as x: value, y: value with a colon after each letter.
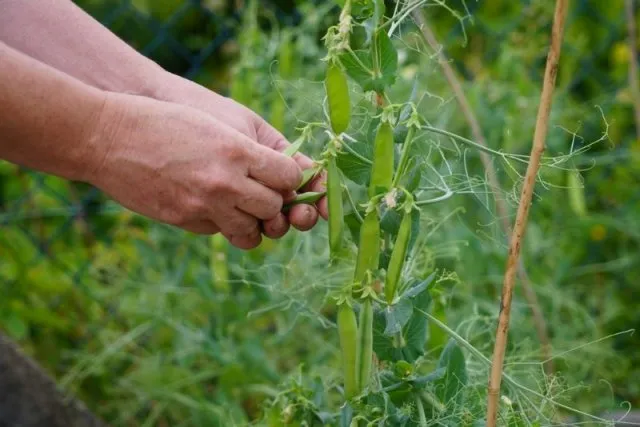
x: 539, y: 136
x: 492, y: 176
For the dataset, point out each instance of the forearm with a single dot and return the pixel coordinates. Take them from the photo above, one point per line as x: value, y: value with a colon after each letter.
x: 47, y: 118
x: 60, y: 34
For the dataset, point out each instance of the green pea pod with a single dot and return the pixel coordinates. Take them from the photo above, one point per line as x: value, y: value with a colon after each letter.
x: 365, y: 344
x: 576, y: 194
x: 336, y: 213
x: 348, y: 332
x: 382, y: 169
x: 307, y: 198
x: 308, y: 175
x: 294, y: 147
x: 368, y: 247
x: 338, y: 98
x: 397, y: 257
x: 219, y: 266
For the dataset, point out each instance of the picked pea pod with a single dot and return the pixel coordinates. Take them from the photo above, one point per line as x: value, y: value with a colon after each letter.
x: 397, y: 257
x: 307, y: 198
x: 292, y: 149
x: 338, y: 98
x: 308, y: 175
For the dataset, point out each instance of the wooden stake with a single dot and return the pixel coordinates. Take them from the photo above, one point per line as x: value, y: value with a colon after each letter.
x: 539, y: 136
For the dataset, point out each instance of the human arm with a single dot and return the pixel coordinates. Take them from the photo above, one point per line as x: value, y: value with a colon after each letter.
x: 46, y: 117
x: 59, y: 33
x: 169, y: 162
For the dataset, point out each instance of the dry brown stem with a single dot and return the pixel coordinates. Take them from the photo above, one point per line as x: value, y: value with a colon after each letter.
x: 494, y: 183
x: 539, y: 136
x: 633, y: 63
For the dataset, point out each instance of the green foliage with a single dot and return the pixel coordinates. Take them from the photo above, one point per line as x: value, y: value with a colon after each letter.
x: 150, y: 326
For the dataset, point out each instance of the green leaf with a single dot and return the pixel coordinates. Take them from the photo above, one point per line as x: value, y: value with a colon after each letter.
x: 415, y: 228
x: 388, y: 56
x: 397, y: 316
x: 416, y: 333
x: 419, y: 287
x: 390, y: 221
x: 411, y: 178
x: 346, y: 414
x: 358, y: 38
x: 382, y: 344
x: 353, y: 224
x: 324, y: 417
x: 449, y: 388
x: 359, y: 66
x: 352, y: 166
x: 437, y: 374
x: 437, y: 337
x: 373, y: 75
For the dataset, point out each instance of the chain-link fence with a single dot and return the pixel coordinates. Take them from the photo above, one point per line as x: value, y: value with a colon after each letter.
x: 52, y: 230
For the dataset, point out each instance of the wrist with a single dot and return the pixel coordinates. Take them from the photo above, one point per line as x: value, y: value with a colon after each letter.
x: 106, y: 130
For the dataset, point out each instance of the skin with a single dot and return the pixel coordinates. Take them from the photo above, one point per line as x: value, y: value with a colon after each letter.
x: 169, y: 162
x: 59, y: 34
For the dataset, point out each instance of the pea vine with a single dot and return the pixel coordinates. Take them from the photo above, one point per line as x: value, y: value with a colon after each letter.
x: 382, y: 331
x: 378, y: 187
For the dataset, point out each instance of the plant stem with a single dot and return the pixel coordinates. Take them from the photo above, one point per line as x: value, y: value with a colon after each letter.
x: 421, y: 414
x: 494, y: 182
x: 633, y: 63
x: 540, y: 133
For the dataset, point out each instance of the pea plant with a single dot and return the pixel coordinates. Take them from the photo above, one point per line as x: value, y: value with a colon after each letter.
x: 378, y: 191
x: 381, y: 308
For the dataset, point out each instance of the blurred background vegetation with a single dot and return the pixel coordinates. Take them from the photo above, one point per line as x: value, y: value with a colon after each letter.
x: 138, y: 321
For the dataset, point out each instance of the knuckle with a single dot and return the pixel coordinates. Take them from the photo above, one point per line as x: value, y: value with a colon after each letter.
x: 292, y: 174
x: 192, y: 206
x: 275, y: 206
x: 186, y: 210
x: 236, y: 153
x: 175, y: 217
x: 216, y: 183
x: 243, y: 225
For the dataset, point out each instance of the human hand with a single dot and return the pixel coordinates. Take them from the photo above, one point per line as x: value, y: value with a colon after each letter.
x: 302, y: 217
x: 183, y: 167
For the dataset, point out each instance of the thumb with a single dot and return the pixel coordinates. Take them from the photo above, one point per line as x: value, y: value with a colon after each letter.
x: 269, y: 136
